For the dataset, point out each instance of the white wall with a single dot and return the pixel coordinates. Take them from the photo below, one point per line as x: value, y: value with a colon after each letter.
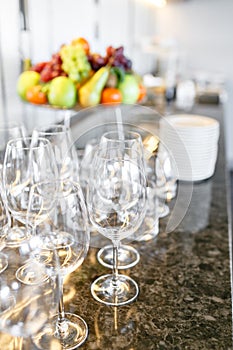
x: 102, y: 23
x: 9, y: 40
x: 204, y: 29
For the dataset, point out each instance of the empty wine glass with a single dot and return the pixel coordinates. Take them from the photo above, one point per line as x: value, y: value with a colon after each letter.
x: 37, y: 211
x: 24, y: 310
x: 60, y: 219
x: 64, y: 150
x: 128, y: 256
x: 27, y: 161
x: 8, y: 131
x: 116, y: 200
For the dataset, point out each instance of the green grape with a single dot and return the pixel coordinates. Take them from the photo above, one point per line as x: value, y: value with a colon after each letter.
x: 75, y: 76
x: 75, y: 62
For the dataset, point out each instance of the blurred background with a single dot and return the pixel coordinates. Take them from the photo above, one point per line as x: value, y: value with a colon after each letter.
x: 169, y: 42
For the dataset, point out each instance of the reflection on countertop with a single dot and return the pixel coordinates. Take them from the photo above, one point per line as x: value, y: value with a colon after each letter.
x: 197, y: 216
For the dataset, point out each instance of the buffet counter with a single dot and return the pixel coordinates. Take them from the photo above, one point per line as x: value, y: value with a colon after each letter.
x: 184, y: 277
x: 185, y: 299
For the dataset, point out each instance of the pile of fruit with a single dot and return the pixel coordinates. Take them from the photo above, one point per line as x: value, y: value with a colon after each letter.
x: 76, y: 75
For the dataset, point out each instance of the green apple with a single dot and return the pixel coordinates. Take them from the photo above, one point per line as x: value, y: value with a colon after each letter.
x: 26, y: 80
x: 129, y: 88
x: 62, y: 92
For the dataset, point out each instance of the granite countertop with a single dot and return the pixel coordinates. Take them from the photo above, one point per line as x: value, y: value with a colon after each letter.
x: 184, y: 278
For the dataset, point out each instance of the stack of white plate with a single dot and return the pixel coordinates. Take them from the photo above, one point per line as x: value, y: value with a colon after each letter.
x: 192, y: 141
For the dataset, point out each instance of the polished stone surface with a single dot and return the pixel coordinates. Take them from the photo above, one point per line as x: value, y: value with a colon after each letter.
x: 184, y: 278
x: 185, y: 296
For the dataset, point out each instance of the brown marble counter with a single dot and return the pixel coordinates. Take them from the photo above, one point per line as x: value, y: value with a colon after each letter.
x: 184, y: 278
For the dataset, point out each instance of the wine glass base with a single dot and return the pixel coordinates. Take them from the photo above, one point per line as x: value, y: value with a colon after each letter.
x: 125, y: 291
x: 28, y: 274
x: 127, y: 256
x: 74, y: 333
x: 3, y: 262
x: 16, y: 236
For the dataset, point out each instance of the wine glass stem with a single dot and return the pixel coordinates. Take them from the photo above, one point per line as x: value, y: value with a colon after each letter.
x: 61, y: 325
x: 61, y: 312
x: 14, y: 222
x: 18, y: 343
x: 115, y: 264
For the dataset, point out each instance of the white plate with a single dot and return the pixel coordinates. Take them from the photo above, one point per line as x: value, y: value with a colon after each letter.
x: 192, y: 121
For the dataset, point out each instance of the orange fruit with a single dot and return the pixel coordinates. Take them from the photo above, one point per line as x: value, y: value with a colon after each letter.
x: 83, y: 42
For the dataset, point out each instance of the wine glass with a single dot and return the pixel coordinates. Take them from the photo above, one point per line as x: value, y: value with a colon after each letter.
x: 128, y: 256
x: 60, y: 219
x: 27, y: 161
x: 11, y: 130
x: 64, y: 150
x: 24, y: 310
x: 116, y: 199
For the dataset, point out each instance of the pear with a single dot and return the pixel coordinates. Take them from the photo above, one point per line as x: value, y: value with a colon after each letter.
x: 90, y: 92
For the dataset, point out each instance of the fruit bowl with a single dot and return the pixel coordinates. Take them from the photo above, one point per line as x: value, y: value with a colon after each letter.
x: 77, y: 107
x: 76, y: 78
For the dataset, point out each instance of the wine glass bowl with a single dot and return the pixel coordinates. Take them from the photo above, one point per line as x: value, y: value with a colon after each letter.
x: 10, y: 130
x: 130, y: 139
x: 64, y: 237
x: 58, y: 213
x: 63, y: 147
x: 27, y: 161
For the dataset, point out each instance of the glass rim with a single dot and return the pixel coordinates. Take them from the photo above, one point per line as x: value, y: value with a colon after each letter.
x: 133, y: 160
x: 127, y: 132
x: 13, y: 142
